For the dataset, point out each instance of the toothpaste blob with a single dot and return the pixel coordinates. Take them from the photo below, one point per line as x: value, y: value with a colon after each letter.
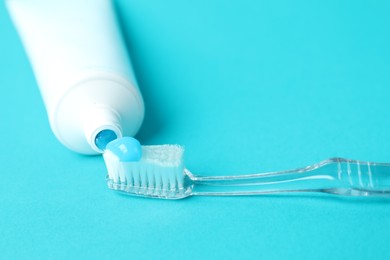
x: 127, y: 149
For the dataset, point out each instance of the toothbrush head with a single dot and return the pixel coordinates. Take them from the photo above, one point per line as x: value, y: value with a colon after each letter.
x: 158, y: 173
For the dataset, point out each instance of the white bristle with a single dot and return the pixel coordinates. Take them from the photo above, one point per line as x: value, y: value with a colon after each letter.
x: 160, y: 171
x: 112, y: 164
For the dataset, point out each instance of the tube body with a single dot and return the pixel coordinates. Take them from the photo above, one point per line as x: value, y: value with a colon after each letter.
x: 82, y: 68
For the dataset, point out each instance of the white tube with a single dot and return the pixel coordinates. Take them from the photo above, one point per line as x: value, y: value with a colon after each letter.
x: 82, y: 68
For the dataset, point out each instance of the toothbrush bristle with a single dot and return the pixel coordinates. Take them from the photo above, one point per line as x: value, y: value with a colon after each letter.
x: 159, y: 173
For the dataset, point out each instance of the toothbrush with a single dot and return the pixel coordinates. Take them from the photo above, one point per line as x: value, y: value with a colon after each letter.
x: 158, y: 172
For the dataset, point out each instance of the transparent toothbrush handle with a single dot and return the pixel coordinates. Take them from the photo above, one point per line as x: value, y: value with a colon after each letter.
x: 336, y: 176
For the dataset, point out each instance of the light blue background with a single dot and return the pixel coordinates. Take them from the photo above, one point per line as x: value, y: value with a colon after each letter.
x: 246, y: 86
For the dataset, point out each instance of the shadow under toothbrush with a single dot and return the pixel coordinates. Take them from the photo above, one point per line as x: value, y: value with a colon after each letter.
x: 153, y: 122
x: 315, y: 196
